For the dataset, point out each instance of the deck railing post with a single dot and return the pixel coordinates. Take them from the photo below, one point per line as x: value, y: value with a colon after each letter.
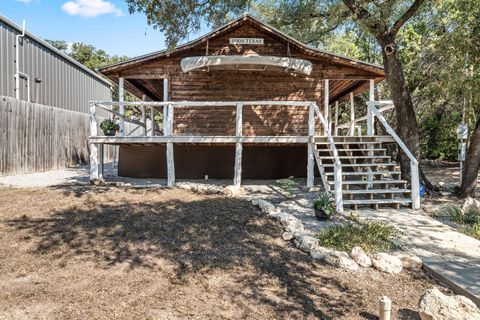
x: 237, y: 178
x: 352, y: 115
x: 311, y: 147
x: 144, y: 116
x: 370, y: 116
x: 170, y: 159
x: 336, y: 118
x: 121, y: 108
x: 415, y: 185
x: 93, y: 146
x: 326, y: 102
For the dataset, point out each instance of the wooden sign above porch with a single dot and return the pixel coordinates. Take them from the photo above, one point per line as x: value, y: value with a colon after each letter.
x: 254, y: 41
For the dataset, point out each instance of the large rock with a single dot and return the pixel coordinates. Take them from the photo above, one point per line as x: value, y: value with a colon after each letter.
x: 387, y: 263
x: 361, y: 257
x: 294, y: 225
x: 306, y: 243
x: 434, y: 305
x: 470, y: 202
x: 319, y: 252
x: 265, y: 206
x: 287, y: 236
x: 341, y: 259
x: 233, y: 191
x: 409, y: 260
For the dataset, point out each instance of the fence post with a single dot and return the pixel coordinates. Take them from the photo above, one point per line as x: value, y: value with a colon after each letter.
x: 311, y: 147
x: 170, y: 159
x: 93, y: 146
x: 237, y: 178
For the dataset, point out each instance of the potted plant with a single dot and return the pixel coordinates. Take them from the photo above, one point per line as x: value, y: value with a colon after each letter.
x: 109, y: 127
x: 324, y: 206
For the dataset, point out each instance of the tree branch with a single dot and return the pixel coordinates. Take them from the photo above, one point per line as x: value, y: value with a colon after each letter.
x: 407, y: 15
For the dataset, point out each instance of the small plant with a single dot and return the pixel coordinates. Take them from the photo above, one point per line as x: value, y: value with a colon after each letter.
x: 473, y: 231
x: 324, y: 206
x: 288, y: 185
x: 371, y: 236
x: 109, y: 127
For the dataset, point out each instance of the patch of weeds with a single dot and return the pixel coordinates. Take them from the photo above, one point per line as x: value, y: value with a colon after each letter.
x: 451, y: 211
x: 288, y: 185
x: 473, y: 231
x: 468, y: 219
x: 371, y: 236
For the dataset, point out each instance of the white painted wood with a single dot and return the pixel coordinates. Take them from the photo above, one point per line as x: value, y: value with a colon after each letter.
x: 326, y: 102
x: 206, y: 103
x: 349, y: 124
x: 101, y: 169
x: 352, y: 115
x: 165, y: 105
x: 144, y: 116
x: 93, y: 146
x: 152, y: 121
x: 170, y: 158
x: 336, y: 118
x: 200, y: 139
x: 311, y: 147
x: 370, y: 116
x: 121, y: 109
x: 237, y: 177
x: 415, y: 183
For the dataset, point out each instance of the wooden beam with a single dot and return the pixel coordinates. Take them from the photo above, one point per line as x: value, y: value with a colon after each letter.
x: 93, y: 146
x: 311, y: 147
x: 170, y: 158
x: 144, y: 116
x: 200, y: 139
x: 352, y: 115
x: 336, y: 118
x: 237, y: 178
x: 326, y: 102
x: 121, y: 109
x: 370, y: 116
x: 165, y: 106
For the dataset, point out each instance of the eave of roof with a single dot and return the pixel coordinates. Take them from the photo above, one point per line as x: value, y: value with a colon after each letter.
x: 55, y: 50
x: 373, y: 68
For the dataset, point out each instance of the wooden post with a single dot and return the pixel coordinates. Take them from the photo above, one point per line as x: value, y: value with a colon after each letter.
x: 415, y: 183
x: 102, y: 161
x: 93, y: 146
x: 165, y: 107
x: 385, y: 305
x: 144, y: 116
x: 170, y: 159
x: 152, y: 122
x: 352, y: 115
x: 326, y: 103
x: 336, y: 118
x: 311, y: 147
x: 237, y: 178
x: 370, y: 116
x: 121, y: 109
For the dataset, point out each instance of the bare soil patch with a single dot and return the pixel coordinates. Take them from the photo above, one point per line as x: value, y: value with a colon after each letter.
x: 78, y: 252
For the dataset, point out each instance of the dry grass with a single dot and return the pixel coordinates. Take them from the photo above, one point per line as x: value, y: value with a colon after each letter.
x: 114, y: 253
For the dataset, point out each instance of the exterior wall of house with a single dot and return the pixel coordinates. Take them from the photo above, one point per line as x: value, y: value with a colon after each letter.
x: 55, y: 79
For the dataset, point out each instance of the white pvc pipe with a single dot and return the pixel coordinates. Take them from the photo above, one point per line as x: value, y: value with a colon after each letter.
x: 385, y: 308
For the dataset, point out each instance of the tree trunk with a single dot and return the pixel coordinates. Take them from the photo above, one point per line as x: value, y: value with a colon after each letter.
x: 472, y: 165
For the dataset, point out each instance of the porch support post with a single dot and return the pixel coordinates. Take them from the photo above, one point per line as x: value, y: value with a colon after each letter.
x: 352, y: 115
x: 370, y: 116
x: 336, y: 118
x: 165, y: 107
x: 311, y: 147
x: 101, y: 163
x: 326, y: 103
x: 93, y: 146
x: 144, y: 116
x: 170, y: 159
x: 237, y: 178
x: 121, y: 109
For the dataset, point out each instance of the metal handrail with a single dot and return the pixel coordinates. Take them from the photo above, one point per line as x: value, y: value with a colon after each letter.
x: 337, y: 164
x: 415, y: 183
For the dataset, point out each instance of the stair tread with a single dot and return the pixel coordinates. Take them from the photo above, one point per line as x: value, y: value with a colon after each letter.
x: 377, y: 164
x: 369, y: 191
x: 356, y: 157
x: 366, y: 150
x: 368, y: 182
x: 363, y: 173
x: 377, y: 201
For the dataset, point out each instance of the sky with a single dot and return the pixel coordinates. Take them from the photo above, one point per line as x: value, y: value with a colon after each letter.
x: 105, y: 24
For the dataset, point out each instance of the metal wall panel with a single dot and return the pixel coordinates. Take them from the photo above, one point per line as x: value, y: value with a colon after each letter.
x: 64, y: 82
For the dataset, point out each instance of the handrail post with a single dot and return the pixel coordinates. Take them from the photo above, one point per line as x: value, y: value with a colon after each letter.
x: 370, y: 116
x: 415, y: 185
x: 170, y: 159
x: 237, y: 177
x: 121, y: 108
x: 336, y: 118
x: 93, y: 146
x: 352, y: 115
x: 311, y: 147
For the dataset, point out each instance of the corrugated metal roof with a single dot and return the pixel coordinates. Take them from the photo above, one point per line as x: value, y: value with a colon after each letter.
x: 55, y: 50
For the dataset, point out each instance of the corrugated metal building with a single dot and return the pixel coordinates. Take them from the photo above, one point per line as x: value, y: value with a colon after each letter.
x: 54, y: 78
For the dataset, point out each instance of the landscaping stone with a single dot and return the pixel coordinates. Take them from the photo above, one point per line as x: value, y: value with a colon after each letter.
x: 319, y: 252
x: 361, y: 257
x: 469, y: 202
x: 305, y: 243
x: 264, y: 205
x: 387, y: 263
x: 233, y: 191
x: 279, y: 215
x: 409, y: 260
x: 294, y: 225
x: 287, y: 236
x: 342, y: 260
x: 434, y: 305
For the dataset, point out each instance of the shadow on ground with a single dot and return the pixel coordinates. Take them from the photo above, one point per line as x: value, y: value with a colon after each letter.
x: 205, y: 236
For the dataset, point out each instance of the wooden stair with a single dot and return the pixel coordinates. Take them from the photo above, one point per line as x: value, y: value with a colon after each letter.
x: 369, y: 176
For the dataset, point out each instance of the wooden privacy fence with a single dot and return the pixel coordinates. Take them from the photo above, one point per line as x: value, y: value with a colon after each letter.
x: 35, y: 137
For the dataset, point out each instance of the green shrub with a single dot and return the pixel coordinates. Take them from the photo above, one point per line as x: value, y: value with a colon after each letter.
x: 109, y: 124
x: 452, y: 212
x: 288, y: 185
x: 370, y: 236
x: 472, y: 215
x: 473, y: 231
x: 325, y: 204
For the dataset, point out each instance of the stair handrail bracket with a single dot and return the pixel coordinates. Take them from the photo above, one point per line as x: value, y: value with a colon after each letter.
x: 415, y: 178
x: 337, y: 164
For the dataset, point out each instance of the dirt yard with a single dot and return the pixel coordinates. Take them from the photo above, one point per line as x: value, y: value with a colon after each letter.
x: 115, y: 253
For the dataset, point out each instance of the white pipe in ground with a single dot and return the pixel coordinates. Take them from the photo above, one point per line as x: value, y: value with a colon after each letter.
x: 385, y: 308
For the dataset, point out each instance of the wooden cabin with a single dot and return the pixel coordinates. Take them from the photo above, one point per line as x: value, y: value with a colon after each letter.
x: 246, y: 101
